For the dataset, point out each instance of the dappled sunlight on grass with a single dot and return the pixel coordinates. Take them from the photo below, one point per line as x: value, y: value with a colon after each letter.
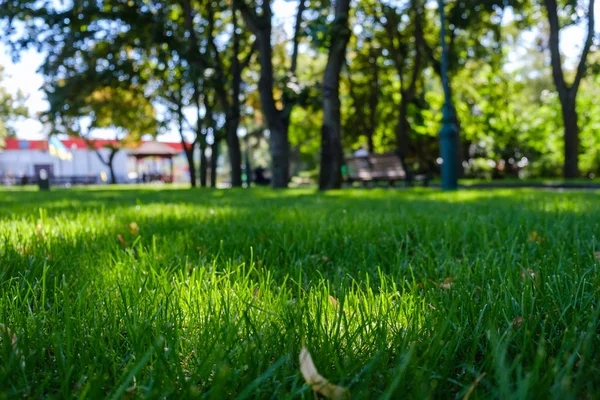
x: 215, y: 292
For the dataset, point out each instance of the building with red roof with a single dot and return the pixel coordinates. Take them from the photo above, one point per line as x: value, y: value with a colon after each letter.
x: 24, y: 158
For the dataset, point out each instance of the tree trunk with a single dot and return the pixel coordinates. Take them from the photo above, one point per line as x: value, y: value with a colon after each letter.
x: 235, y: 153
x: 108, y: 162
x: 278, y: 133
x: 113, y: 177
x: 111, y: 167
x: 330, y: 176
x: 571, y: 139
x: 233, y: 115
x: 373, y: 100
x: 214, y: 156
x: 203, y: 165
x: 187, y: 149
x: 402, y: 127
x: 566, y: 93
x: 280, y: 154
x: 189, y: 155
x: 261, y: 27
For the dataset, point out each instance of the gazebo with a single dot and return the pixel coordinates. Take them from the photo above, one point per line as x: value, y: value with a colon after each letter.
x: 154, y: 149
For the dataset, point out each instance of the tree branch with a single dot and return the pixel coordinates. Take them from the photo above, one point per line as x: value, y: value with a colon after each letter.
x: 581, y: 68
x: 92, y: 147
x: 416, y: 66
x: 189, y: 23
x: 554, y: 43
x: 301, y: 8
x: 220, y: 89
x: 251, y: 19
x: 360, y: 115
x: 422, y: 42
x: 246, y: 62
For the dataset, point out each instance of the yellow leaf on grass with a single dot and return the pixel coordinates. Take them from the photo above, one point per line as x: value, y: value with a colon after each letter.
x: 535, y: 237
x: 318, y: 383
x: 134, y: 229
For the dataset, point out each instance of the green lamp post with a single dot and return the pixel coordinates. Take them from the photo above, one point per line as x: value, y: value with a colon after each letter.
x: 449, y: 132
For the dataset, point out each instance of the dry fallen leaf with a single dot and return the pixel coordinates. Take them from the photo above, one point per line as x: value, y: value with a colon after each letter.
x: 318, y: 383
x: 123, y: 242
x: 134, y: 229
x: 597, y: 254
x: 517, y: 322
x: 448, y: 282
x: 325, y: 258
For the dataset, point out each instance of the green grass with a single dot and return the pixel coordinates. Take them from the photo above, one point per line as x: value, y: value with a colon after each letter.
x: 219, y: 290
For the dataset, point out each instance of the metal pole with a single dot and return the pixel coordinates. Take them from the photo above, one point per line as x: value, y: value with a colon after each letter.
x: 449, y: 131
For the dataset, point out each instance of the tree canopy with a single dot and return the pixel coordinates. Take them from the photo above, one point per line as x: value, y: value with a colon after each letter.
x: 217, y: 70
x: 12, y: 106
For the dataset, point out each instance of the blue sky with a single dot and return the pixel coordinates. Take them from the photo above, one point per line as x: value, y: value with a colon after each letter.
x: 23, y: 76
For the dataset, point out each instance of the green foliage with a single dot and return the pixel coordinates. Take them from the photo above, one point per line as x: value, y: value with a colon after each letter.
x: 127, y: 110
x: 588, y: 103
x: 11, y: 107
x: 501, y: 80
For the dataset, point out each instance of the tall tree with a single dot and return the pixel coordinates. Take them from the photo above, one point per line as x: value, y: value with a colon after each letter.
x: 568, y: 93
x: 330, y: 175
x: 259, y: 20
x: 407, y: 62
x: 229, y: 90
x: 124, y: 110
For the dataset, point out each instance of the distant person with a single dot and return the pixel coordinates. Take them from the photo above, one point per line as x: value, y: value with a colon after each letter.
x: 361, y: 152
x: 259, y: 177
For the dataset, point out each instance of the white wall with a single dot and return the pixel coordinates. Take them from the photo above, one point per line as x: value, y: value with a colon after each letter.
x: 84, y: 163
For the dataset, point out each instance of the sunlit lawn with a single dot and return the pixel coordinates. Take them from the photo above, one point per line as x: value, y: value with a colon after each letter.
x: 129, y: 293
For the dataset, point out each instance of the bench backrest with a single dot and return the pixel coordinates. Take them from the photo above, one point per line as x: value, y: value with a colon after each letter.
x: 376, y: 166
x: 359, y: 168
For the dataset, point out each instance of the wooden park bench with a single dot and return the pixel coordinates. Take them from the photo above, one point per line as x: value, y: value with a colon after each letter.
x: 387, y: 167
